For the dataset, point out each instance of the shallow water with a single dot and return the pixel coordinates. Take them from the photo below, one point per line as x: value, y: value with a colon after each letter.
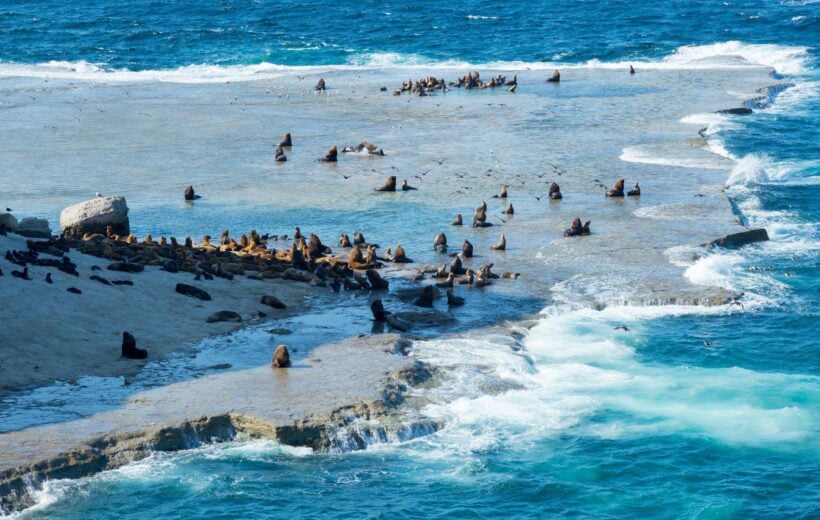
x: 694, y: 412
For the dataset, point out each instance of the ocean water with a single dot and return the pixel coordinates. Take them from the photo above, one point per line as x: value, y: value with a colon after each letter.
x: 696, y: 412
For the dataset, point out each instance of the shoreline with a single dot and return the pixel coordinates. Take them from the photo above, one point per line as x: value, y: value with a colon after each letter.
x: 225, y: 425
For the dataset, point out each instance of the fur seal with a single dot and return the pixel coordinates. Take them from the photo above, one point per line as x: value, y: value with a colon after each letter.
x: 297, y: 233
x: 453, y: 300
x: 74, y: 290
x: 458, y: 221
x: 129, y: 348
x: 189, y: 195
x: 332, y: 155
x: 23, y: 275
x: 555, y: 192
x: 502, y: 194
x: 344, y: 241
x: 48, y: 278
x: 617, y: 190
x: 425, y: 299
x: 400, y: 257
x: 371, y: 148
x: 576, y: 229
x: 456, y: 266
x: 467, y: 249
x: 631, y: 70
x: 377, y: 308
x: 448, y: 282
x: 377, y: 283
x: 320, y: 85
x: 406, y: 187
x: 501, y: 245
x: 280, y: 154
x: 281, y: 357
x: 389, y: 184
x: 358, y: 239
x: 555, y: 78
x: 286, y: 141
x: 510, y: 210
x: 480, y: 218
x: 440, y: 243
x: 634, y: 192
x: 189, y: 244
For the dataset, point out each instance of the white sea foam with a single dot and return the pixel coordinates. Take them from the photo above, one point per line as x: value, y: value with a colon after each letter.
x: 642, y: 154
x: 732, y: 54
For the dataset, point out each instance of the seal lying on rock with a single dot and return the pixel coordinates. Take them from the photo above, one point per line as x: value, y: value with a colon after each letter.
x: 272, y: 301
x: 634, y: 192
x: 281, y: 357
x: 617, y: 190
x: 555, y: 78
x: 194, y: 292
x: 576, y: 229
x: 555, y: 192
x: 389, y: 184
x: 224, y: 316
x: 129, y: 348
x: 332, y: 155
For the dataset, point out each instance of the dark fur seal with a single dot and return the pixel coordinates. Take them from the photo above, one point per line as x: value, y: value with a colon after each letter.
x: 389, y: 184
x: 320, y: 85
x: 634, y: 192
x: 617, y: 190
x: 286, y: 140
x: 406, y: 187
x: 555, y: 78
x: 555, y: 192
x: 576, y: 229
x: 501, y: 245
x: 129, y: 347
x: 332, y: 155
x: 458, y: 221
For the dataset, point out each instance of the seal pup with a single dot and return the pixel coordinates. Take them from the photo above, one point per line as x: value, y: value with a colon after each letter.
x: 189, y: 194
x: 440, y: 243
x: 286, y: 141
x: 617, y: 190
x: 406, y: 187
x: 467, y: 249
x: 279, y: 155
x: 453, y: 300
x: 332, y: 155
x: 320, y: 85
x: 129, y: 348
x: 555, y: 78
x: 634, y: 192
x: 281, y: 357
x: 555, y: 192
x: 458, y: 221
x: 501, y: 245
x: 389, y: 184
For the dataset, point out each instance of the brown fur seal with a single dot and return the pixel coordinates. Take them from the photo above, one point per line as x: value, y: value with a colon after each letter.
x: 502, y: 194
x: 377, y: 283
x: 467, y: 249
x: 389, y: 184
x: 617, y: 190
x: 458, y: 221
x: 129, y: 348
x: 297, y: 233
x: 576, y: 229
x: 555, y: 192
x: 286, y: 141
x: 332, y: 155
x: 190, y: 194
x: 406, y: 187
x: 280, y: 154
x: 480, y: 218
x: 453, y: 300
x: 501, y: 245
x: 510, y: 210
x: 320, y: 86
x: 281, y: 357
x: 555, y: 78
x: 448, y: 282
x: 456, y: 266
x: 371, y: 148
x: 344, y: 241
x: 400, y: 257
x: 358, y: 239
x: 440, y: 243
x: 635, y: 192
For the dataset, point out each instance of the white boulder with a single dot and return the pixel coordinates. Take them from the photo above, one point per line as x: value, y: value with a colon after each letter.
x: 94, y: 216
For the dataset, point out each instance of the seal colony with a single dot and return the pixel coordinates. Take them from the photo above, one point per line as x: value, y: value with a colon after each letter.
x: 225, y: 280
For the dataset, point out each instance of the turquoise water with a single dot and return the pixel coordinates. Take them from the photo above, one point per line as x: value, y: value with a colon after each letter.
x: 697, y: 413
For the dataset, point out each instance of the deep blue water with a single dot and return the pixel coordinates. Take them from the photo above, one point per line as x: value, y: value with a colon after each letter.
x: 733, y: 428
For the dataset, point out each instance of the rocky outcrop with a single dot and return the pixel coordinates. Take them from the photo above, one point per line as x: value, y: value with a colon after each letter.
x: 34, y: 228
x: 8, y: 222
x: 741, y: 239
x: 95, y: 216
